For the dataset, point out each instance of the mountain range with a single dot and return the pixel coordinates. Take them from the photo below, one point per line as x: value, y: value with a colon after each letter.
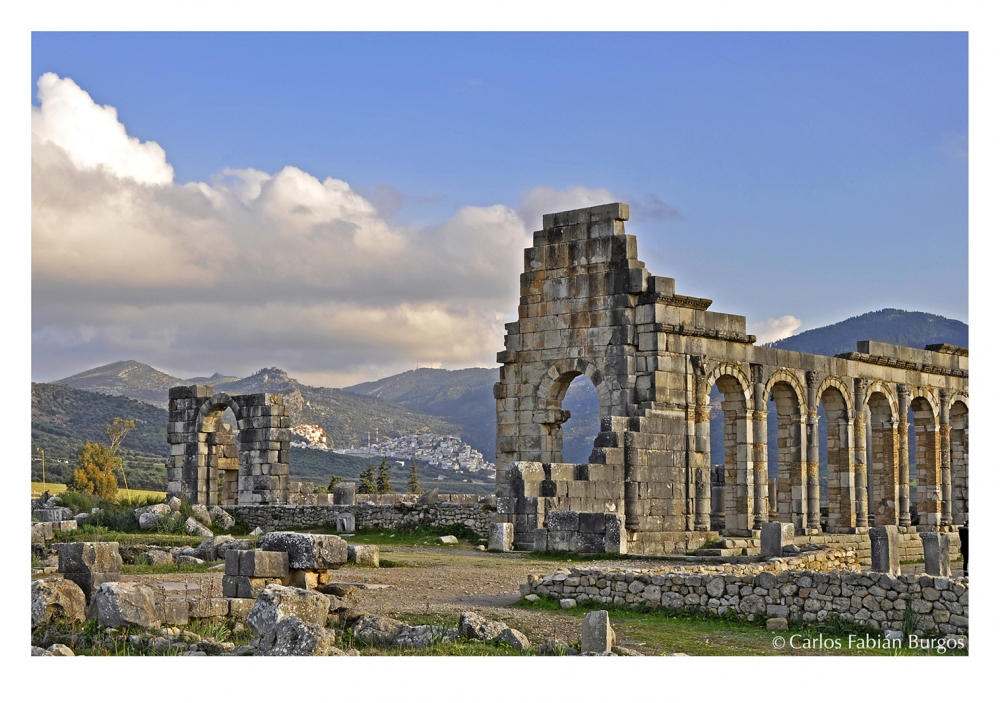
x: 436, y: 401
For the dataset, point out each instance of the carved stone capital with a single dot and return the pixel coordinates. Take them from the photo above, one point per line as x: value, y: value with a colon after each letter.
x: 813, y: 379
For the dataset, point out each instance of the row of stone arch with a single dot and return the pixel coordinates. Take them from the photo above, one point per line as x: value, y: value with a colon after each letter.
x: 868, y: 452
x: 866, y: 436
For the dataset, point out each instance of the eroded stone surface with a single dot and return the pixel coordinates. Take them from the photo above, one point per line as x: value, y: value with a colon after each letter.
x: 56, y: 599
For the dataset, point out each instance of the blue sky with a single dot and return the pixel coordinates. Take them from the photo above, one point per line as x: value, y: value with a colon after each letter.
x: 795, y: 177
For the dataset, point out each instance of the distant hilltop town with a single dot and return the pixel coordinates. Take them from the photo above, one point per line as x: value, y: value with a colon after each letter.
x: 446, y: 452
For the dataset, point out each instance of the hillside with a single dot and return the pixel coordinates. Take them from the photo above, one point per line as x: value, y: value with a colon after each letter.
x: 64, y: 418
x: 463, y: 398
x: 347, y: 417
x: 126, y: 378
x: 908, y: 329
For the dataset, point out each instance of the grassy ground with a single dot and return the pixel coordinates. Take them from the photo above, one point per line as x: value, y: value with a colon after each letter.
x: 699, y: 634
x: 57, y: 488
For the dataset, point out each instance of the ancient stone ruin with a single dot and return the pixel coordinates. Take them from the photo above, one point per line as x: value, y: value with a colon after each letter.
x: 254, y: 465
x: 589, y: 307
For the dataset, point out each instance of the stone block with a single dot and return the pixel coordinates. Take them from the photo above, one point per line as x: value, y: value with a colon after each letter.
x: 230, y: 584
x: 343, y: 494
x: 239, y: 608
x: 172, y: 612
x: 275, y: 603
x: 56, y: 599
x: 247, y: 587
x: 774, y: 536
x: 364, y: 554
x: 262, y: 564
x: 208, y: 608
x: 541, y: 541
x: 563, y: 521
x: 41, y: 531
x: 302, y: 578
x: 615, y: 537
x: 89, y: 582
x: 293, y: 637
x: 233, y: 557
x: 501, y: 537
x: 885, y: 549
x: 307, y: 551
x: 117, y: 604
x: 596, y: 634
x: 84, y: 557
x: 936, y: 557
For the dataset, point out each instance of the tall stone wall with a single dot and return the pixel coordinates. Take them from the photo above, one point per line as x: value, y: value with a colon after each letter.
x: 589, y: 307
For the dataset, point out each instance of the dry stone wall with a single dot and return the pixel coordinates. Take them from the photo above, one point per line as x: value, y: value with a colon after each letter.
x: 938, y: 605
x: 476, y: 517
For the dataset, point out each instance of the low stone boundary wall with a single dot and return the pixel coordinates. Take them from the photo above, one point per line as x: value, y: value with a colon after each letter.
x: 477, y: 516
x: 867, y: 598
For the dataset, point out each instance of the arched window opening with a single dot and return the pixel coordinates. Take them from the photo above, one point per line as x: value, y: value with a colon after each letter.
x: 221, y: 480
x: 925, y: 465
x: 959, y: 463
x: 835, y: 438
x: 730, y: 428
x: 580, y: 430
x: 786, y: 457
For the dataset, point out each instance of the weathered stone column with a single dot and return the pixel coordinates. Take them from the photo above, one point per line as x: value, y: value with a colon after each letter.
x: 703, y: 440
x: 760, y: 502
x: 905, y: 396
x: 944, y: 431
x: 812, y: 454
x: 860, y: 454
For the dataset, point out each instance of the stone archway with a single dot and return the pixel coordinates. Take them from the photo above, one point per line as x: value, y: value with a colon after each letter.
x: 198, y: 448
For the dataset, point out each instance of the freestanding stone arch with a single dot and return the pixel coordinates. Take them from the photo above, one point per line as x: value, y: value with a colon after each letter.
x: 589, y: 306
x: 254, y: 466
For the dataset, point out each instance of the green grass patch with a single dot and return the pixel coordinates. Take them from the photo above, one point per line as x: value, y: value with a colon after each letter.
x: 142, y: 569
x: 413, y: 536
x: 702, y: 633
x: 92, y: 533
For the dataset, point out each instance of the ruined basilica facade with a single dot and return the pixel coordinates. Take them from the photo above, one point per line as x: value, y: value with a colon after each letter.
x: 589, y: 307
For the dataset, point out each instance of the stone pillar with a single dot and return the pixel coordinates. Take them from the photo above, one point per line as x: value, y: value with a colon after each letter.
x: 760, y: 485
x: 905, y: 395
x: 885, y: 549
x: 944, y: 431
x: 703, y: 440
x: 861, y: 455
x: 812, y: 451
x: 937, y: 562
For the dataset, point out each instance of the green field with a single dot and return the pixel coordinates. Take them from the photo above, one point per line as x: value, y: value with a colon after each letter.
x: 56, y: 488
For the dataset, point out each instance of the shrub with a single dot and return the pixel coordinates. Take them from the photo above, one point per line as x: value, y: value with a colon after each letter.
x: 95, y: 471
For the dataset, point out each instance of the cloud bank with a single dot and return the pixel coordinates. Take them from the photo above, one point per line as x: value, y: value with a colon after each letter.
x: 250, y: 270
x: 774, y: 328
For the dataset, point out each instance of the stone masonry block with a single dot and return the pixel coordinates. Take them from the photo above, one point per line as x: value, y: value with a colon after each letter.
x: 261, y: 564
x: 85, y: 557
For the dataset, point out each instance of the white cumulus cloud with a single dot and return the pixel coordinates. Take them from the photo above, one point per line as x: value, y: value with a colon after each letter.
x: 254, y: 269
x: 774, y: 328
